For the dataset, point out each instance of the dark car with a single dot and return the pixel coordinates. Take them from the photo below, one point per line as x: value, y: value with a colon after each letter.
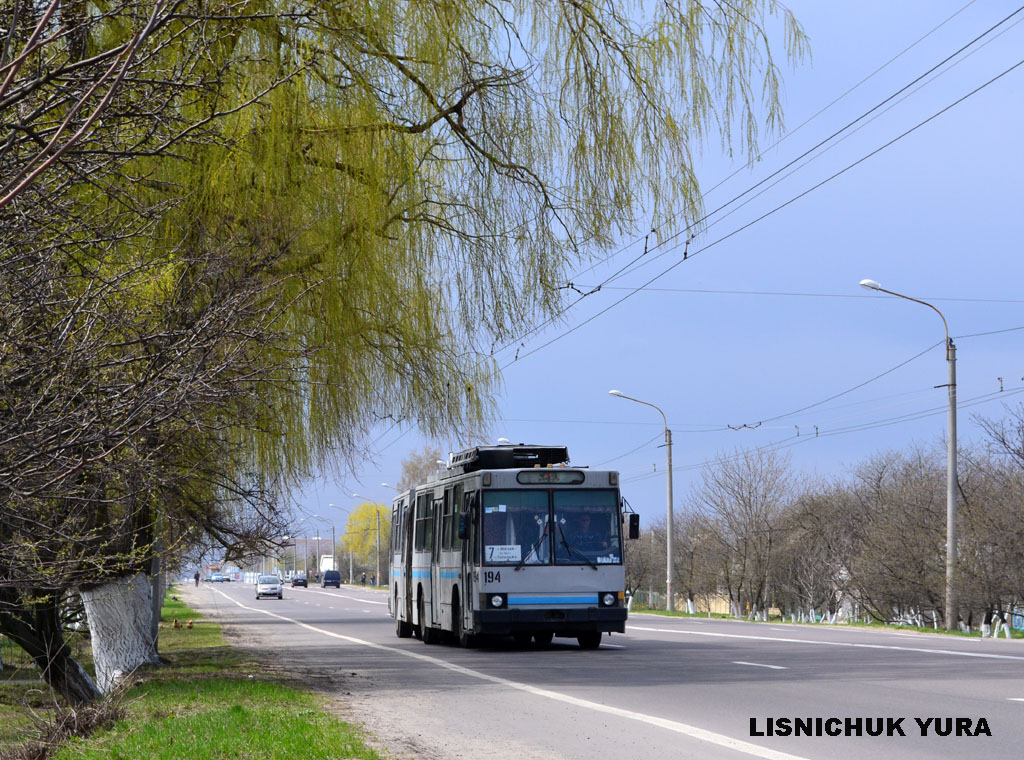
x: 299, y: 580
x: 331, y: 578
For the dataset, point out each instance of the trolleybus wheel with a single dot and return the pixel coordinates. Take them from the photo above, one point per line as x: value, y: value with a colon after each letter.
x: 459, y: 633
x: 522, y: 639
x: 428, y: 635
x: 543, y: 638
x: 589, y: 640
x: 402, y: 629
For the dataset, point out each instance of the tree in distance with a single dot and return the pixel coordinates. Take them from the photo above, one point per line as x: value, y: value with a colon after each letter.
x: 361, y: 532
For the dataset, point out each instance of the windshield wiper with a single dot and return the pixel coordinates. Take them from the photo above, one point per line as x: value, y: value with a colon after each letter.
x: 533, y: 549
x: 573, y: 550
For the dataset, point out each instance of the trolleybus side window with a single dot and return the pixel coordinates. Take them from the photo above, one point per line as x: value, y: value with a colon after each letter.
x: 587, y: 527
x: 456, y: 507
x: 449, y: 527
x: 439, y: 523
x: 424, y: 523
x: 515, y: 527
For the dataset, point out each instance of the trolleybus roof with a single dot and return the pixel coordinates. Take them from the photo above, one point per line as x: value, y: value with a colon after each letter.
x: 507, y: 457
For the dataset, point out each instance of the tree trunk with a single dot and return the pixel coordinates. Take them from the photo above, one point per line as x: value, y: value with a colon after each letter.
x: 120, y: 615
x: 36, y: 628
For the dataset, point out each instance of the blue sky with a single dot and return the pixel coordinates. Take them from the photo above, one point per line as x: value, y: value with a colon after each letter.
x: 763, y: 321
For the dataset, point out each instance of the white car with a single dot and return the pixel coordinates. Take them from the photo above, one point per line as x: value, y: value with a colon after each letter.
x: 269, y: 585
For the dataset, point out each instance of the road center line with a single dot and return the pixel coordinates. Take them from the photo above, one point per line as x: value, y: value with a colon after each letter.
x: 345, y: 596
x: 828, y: 643
x: 759, y: 665
x: 681, y: 728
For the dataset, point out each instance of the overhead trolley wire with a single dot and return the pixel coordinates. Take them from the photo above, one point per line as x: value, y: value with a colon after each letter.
x: 751, y: 223
x: 796, y: 129
x: 687, y: 255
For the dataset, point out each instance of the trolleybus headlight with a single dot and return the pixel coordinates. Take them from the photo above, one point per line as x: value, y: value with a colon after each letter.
x: 608, y: 599
x: 497, y: 600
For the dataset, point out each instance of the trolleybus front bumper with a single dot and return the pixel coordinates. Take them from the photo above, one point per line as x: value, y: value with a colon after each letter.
x: 518, y: 620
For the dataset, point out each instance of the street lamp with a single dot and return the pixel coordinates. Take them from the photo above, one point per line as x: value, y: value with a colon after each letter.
x: 377, y: 577
x: 305, y: 548
x: 334, y: 558
x: 951, y: 484
x: 669, y: 603
x: 347, y: 512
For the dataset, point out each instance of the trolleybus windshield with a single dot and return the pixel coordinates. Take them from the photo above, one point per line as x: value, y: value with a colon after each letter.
x: 587, y: 524
x: 518, y: 527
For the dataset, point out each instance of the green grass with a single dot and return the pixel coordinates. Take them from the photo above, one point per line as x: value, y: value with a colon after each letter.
x: 221, y: 718
x: 206, y: 705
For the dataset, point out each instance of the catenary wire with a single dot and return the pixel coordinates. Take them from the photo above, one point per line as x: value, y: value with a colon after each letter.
x: 766, y: 214
x: 669, y: 239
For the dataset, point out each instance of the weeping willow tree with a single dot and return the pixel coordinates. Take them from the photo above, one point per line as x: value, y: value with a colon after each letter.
x: 239, y: 235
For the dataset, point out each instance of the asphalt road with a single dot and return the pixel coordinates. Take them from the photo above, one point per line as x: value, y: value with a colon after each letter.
x: 668, y: 688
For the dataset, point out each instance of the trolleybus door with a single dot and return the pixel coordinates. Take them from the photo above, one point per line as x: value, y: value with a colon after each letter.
x: 468, y: 521
x: 407, y: 587
x: 433, y: 611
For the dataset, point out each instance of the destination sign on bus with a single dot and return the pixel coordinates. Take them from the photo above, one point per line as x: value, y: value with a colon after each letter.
x: 503, y: 552
x: 541, y: 477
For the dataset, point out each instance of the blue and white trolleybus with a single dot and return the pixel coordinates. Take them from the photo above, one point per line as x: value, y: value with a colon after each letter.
x: 510, y: 540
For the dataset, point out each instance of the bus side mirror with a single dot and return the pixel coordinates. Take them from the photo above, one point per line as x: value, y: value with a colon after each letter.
x: 634, y: 526
x: 463, y: 526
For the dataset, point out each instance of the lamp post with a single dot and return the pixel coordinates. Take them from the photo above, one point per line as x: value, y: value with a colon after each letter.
x: 335, y: 506
x: 333, y: 557
x: 951, y: 483
x: 669, y: 602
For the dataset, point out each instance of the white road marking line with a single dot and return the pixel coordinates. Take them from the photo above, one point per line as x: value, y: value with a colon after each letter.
x: 682, y: 728
x: 828, y: 643
x: 353, y: 598
x: 759, y: 665
x: 1016, y: 699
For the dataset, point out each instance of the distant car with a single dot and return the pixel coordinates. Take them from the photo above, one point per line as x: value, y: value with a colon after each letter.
x: 217, y: 578
x: 298, y: 580
x: 331, y: 578
x: 269, y: 585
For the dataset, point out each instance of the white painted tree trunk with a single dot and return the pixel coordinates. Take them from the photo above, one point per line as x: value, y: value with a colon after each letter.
x: 120, y: 616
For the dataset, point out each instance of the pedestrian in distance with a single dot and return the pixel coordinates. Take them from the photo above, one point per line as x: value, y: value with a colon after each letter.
x: 196, y: 576
x: 363, y: 579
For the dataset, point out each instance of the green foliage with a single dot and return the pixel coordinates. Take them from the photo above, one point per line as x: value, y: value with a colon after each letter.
x: 360, y: 535
x: 274, y: 226
x: 409, y: 188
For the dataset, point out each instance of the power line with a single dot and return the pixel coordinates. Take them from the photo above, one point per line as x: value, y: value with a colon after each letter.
x: 767, y: 214
x: 796, y: 129
x: 620, y: 273
x: 805, y: 438
x: 706, y: 291
x: 665, y: 242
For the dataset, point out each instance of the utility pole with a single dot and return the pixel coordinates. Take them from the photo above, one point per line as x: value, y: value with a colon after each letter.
x: 952, y: 606
x: 376, y: 578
